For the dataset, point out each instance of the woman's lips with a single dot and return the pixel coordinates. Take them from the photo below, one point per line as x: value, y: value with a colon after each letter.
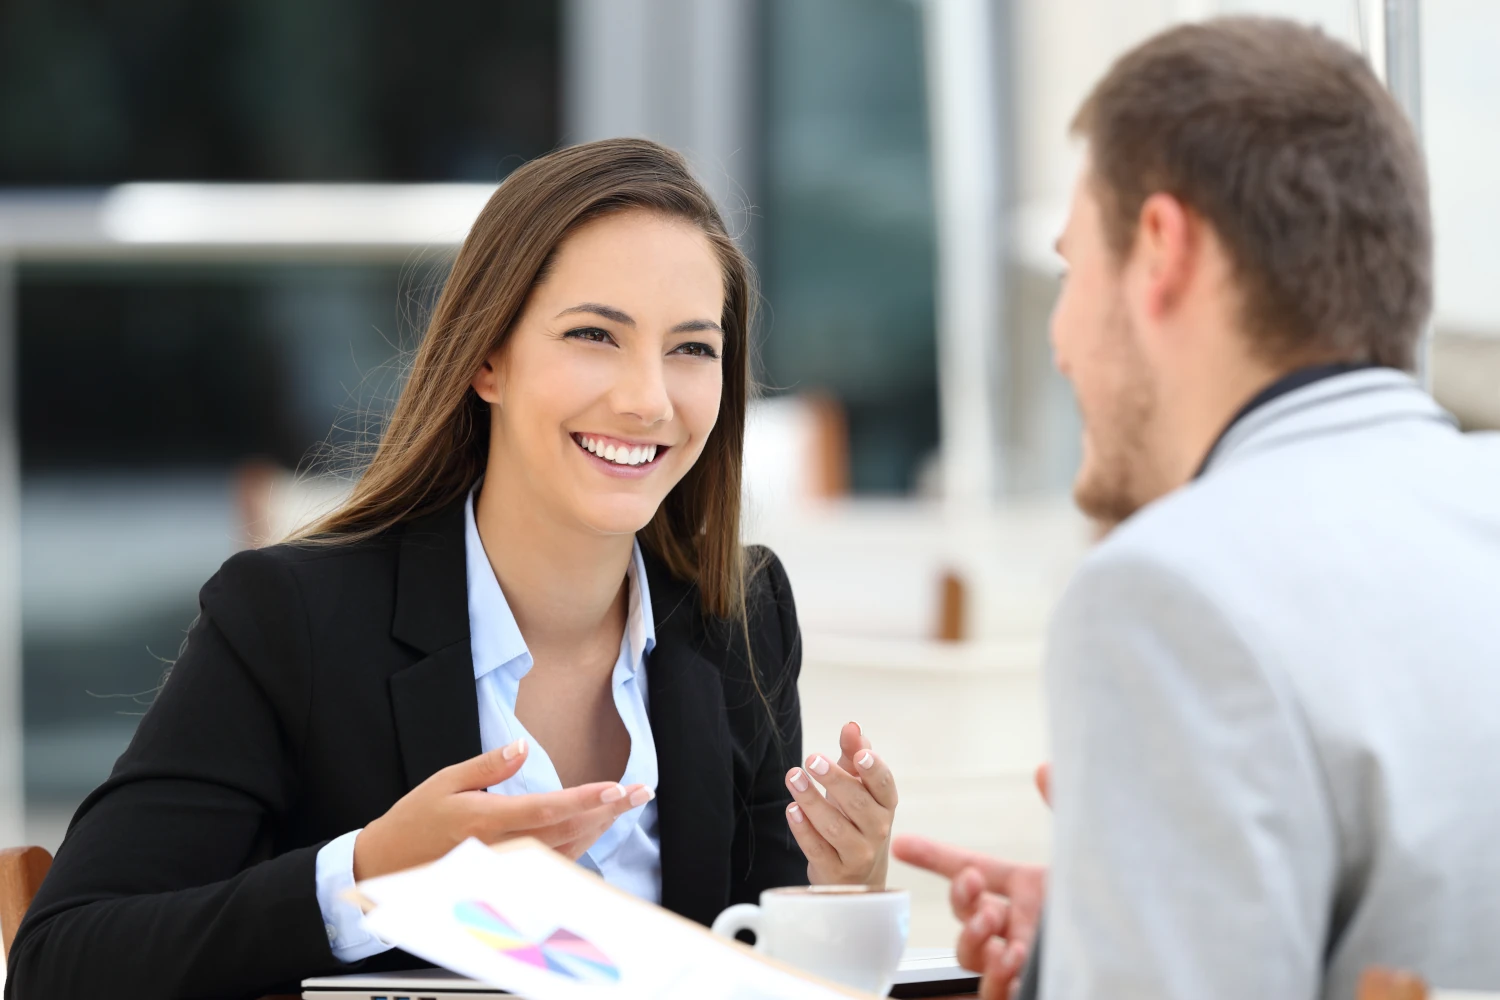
x: 614, y: 468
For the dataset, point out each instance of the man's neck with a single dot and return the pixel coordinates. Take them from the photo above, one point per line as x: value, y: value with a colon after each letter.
x: 1195, y: 414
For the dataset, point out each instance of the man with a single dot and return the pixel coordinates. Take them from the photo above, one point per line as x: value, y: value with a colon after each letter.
x: 1274, y: 688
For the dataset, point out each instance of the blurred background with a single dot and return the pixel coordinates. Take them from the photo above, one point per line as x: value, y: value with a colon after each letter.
x: 220, y: 225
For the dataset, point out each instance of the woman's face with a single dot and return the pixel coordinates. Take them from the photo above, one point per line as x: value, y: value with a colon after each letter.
x: 609, y: 385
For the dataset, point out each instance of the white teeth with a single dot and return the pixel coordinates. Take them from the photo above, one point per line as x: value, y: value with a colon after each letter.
x: 621, y: 454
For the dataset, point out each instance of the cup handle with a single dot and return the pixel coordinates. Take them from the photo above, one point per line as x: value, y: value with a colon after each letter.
x: 741, y: 917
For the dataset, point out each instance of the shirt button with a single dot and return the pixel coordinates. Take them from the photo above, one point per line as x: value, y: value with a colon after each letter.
x: 333, y: 933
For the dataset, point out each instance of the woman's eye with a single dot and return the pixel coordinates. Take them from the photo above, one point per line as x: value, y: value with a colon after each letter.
x: 590, y: 333
x: 697, y: 350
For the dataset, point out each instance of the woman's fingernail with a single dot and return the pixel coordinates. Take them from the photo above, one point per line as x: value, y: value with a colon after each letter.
x: 798, y: 779
x: 977, y: 925
x: 795, y: 812
x: 641, y: 796
x: 817, y: 765
x: 613, y: 793
x: 865, y: 760
x: 514, y: 750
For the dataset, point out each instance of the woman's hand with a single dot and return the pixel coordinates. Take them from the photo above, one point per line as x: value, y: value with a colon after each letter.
x: 846, y: 834
x: 452, y: 805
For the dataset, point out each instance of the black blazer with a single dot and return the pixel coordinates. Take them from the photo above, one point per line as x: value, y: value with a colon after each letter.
x: 318, y: 686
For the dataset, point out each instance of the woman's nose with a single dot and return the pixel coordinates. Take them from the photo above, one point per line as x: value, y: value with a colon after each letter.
x: 642, y: 391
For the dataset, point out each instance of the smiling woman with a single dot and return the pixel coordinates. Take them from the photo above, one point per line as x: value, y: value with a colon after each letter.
x: 532, y: 617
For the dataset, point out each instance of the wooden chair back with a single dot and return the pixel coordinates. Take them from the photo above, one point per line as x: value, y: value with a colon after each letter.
x: 21, y: 872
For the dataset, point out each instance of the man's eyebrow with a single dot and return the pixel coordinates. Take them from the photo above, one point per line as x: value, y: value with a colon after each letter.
x: 608, y: 312
x: 698, y: 326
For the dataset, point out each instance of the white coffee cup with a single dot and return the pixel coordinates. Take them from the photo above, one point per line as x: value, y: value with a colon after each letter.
x: 850, y: 934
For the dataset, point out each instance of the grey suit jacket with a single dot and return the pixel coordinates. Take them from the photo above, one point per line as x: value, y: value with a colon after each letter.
x: 1275, y: 708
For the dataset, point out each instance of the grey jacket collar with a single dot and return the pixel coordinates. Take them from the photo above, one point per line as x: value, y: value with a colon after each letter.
x: 1336, y: 405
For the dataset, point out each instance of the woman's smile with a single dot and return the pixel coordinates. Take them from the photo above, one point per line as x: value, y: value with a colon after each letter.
x: 618, y: 457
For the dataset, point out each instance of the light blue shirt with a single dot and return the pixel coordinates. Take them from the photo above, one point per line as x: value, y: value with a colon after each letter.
x: 628, y: 855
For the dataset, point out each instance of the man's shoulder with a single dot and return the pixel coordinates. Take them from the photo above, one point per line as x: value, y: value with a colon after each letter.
x: 1274, y: 507
x: 1225, y: 543
x: 1189, y: 532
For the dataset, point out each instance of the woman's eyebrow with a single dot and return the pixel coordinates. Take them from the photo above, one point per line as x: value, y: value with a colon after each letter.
x: 608, y: 312
x: 697, y: 326
x: 624, y: 319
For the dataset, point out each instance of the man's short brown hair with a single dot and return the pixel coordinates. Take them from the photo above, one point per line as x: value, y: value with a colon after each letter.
x: 1284, y: 141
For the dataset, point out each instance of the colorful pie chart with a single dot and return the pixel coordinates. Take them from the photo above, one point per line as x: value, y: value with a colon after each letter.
x: 563, y: 952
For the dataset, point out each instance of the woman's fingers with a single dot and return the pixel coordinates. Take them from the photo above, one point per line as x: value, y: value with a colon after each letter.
x: 834, y: 827
x: 819, y: 853
x: 858, y: 758
x: 851, y: 741
x: 852, y: 798
x: 486, y: 770
x: 558, y: 818
x: 575, y: 835
x: 876, y: 777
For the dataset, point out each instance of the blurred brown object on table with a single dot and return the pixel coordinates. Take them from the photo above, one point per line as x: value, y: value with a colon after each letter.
x: 953, y: 608
x: 829, y: 446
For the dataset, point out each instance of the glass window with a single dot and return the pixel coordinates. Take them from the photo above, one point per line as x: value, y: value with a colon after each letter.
x: 846, y: 246
x: 274, y: 90
x: 150, y: 396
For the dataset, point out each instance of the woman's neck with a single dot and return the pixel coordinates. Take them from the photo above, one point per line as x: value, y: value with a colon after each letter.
x: 566, y: 588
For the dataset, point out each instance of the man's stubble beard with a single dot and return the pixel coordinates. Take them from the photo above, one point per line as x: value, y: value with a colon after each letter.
x: 1115, y: 482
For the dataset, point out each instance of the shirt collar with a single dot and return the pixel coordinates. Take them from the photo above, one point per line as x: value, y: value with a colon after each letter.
x: 495, y: 639
x: 1290, y: 382
x: 641, y: 619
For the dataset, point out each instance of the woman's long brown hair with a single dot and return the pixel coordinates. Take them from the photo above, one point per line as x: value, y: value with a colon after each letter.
x: 436, y: 444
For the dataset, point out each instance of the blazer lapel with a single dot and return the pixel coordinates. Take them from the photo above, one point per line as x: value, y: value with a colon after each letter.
x: 435, y: 702
x: 695, y: 770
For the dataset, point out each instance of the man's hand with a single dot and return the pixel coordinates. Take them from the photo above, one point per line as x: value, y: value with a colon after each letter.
x: 998, y: 902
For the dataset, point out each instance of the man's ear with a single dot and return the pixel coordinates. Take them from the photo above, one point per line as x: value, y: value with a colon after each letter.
x: 489, y: 381
x: 1167, y: 242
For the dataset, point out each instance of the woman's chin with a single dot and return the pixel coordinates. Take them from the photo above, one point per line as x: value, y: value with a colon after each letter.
x: 616, y: 516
